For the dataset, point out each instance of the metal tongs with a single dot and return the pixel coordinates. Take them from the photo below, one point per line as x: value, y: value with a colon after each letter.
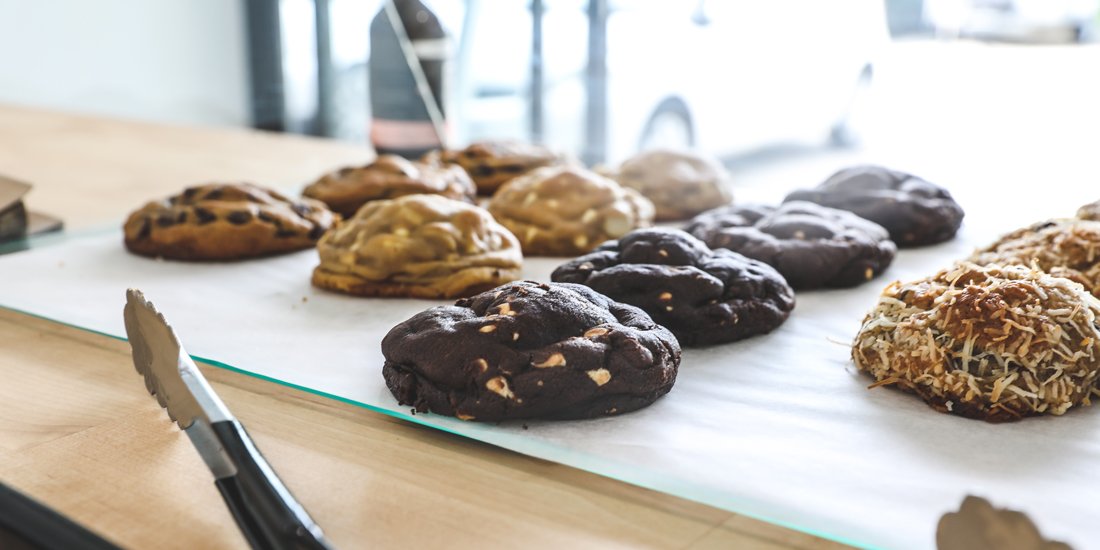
x: 265, y: 511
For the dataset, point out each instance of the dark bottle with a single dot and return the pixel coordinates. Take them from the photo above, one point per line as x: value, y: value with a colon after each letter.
x: 406, y: 98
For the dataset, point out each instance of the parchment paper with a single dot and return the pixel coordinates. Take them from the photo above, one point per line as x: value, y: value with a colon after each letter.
x: 779, y: 427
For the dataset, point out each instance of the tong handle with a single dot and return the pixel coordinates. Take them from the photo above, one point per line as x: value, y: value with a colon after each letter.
x: 266, y: 512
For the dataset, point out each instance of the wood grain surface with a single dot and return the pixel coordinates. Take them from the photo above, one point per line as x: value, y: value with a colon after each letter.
x: 79, y: 433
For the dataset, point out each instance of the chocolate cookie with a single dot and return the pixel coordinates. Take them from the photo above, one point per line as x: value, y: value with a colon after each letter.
x: 225, y: 222
x: 565, y: 211
x: 703, y: 296
x: 680, y: 185
x: 529, y: 350
x: 812, y: 246
x: 422, y: 246
x: 914, y: 211
x: 993, y: 343
x: 389, y: 177
x: 1064, y: 248
x: 491, y: 164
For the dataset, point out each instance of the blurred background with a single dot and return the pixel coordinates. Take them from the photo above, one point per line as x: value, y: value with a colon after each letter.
x: 763, y: 85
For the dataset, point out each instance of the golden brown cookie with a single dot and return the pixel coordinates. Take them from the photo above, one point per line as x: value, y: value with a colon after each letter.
x: 996, y: 343
x: 494, y: 163
x: 1067, y: 248
x: 420, y: 246
x: 680, y: 185
x: 567, y: 211
x: 389, y: 177
x: 226, y: 222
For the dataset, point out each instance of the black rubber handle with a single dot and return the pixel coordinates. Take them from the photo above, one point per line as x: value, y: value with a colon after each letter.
x: 265, y: 510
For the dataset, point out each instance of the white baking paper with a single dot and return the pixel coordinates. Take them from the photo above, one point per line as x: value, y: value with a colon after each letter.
x: 779, y: 427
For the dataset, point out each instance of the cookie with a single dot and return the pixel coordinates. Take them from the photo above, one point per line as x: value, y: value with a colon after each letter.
x: 914, y: 211
x: 421, y: 246
x: 680, y: 185
x: 1064, y: 248
x: 225, y: 222
x: 1090, y: 211
x: 566, y: 211
x: 529, y: 350
x: 812, y: 246
x: 703, y: 296
x: 993, y: 343
x: 389, y: 177
x: 491, y: 164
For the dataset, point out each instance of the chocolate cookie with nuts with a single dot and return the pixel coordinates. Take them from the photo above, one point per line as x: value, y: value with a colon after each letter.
x: 680, y: 184
x: 1064, y: 248
x: 389, y: 177
x: 993, y: 343
x: 225, y: 222
x: 529, y: 350
x: 566, y: 211
x: 491, y: 164
x: 914, y: 211
x: 703, y: 296
x: 421, y: 246
x: 812, y: 246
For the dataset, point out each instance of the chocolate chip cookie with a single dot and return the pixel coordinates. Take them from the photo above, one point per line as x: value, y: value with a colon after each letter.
x: 389, y: 177
x: 529, y: 350
x: 994, y: 343
x: 226, y: 222
x: 680, y: 184
x: 491, y: 164
x: 812, y: 246
x: 1064, y: 248
x: 565, y: 211
x: 703, y: 296
x: 421, y: 246
x: 914, y: 211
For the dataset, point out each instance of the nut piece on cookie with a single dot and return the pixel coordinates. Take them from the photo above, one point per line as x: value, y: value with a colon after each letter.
x: 389, y: 177
x: 225, y: 222
x: 914, y: 211
x: 530, y: 350
x: 1064, y: 248
x: 812, y: 246
x: 680, y: 184
x: 703, y: 296
x: 993, y: 343
x: 421, y: 246
x: 491, y: 164
x: 566, y: 211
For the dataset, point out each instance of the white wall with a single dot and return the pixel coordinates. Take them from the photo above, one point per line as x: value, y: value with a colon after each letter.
x: 164, y: 60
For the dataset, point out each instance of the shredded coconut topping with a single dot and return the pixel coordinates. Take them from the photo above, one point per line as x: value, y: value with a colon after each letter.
x: 996, y: 343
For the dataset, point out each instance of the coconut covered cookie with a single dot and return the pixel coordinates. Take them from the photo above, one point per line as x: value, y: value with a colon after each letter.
x: 1067, y: 248
x: 992, y: 343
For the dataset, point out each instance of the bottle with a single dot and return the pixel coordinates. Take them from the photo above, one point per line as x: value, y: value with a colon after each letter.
x: 406, y: 72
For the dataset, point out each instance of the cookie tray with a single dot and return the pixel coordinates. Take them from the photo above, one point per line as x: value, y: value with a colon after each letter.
x: 778, y: 427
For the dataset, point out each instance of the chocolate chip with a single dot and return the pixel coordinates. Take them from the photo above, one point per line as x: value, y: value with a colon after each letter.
x: 166, y: 220
x: 316, y: 232
x: 265, y: 217
x: 512, y: 169
x: 239, y: 217
x: 190, y: 193
x: 483, y: 170
x: 205, y: 216
x: 146, y: 227
x: 182, y: 217
x: 213, y: 195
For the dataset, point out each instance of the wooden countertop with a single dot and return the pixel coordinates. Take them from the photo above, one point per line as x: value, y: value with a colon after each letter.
x: 79, y: 433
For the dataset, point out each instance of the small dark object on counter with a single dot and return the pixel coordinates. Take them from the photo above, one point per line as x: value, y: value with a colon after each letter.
x: 812, y: 246
x: 703, y: 296
x: 914, y: 211
x: 529, y: 350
